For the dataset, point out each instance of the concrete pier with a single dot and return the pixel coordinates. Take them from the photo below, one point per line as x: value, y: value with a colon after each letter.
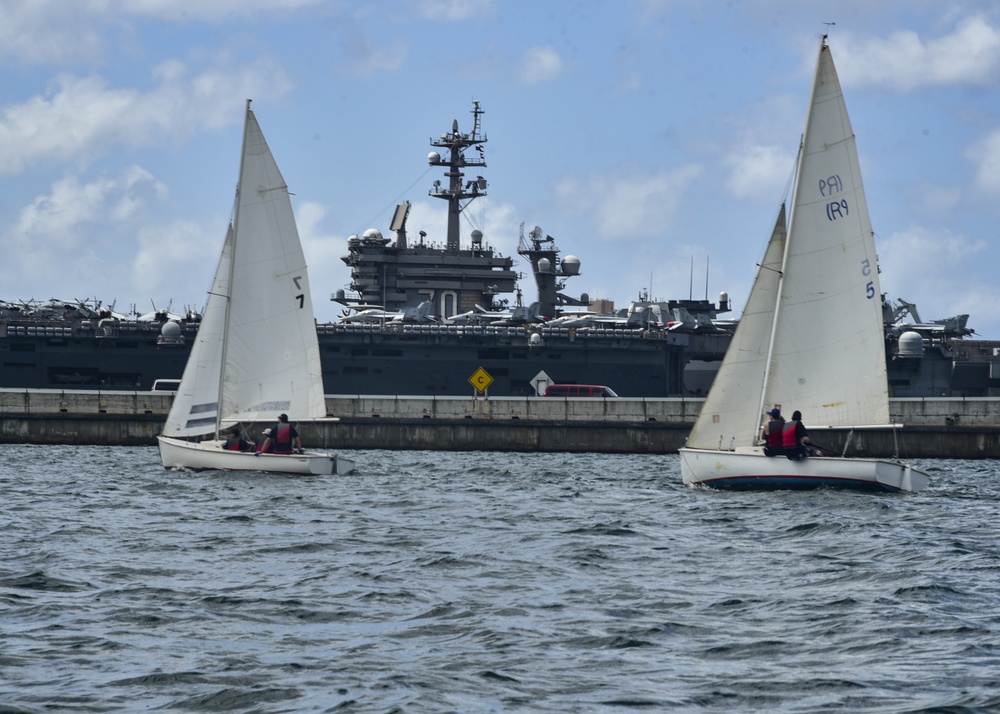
x: 934, y: 428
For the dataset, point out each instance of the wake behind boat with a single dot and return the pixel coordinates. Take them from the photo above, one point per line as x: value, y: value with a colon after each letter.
x: 811, y: 336
x: 256, y: 354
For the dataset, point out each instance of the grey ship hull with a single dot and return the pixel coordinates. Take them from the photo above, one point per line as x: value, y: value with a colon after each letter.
x: 436, y: 360
x: 379, y: 359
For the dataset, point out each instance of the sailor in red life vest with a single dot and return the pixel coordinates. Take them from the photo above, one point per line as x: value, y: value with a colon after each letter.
x: 235, y: 442
x: 261, y: 439
x: 772, y: 433
x: 794, y: 437
x: 284, y: 438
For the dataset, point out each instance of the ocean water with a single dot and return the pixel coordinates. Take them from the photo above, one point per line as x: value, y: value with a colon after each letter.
x: 489, y: 582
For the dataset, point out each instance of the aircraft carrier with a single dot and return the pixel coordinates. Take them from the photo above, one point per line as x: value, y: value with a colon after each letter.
x: 443, y: 318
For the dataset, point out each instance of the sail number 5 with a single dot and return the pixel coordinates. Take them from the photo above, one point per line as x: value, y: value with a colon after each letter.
x: 866, y: 270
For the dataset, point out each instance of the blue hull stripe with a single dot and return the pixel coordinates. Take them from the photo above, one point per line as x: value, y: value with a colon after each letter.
x: 802, y: 483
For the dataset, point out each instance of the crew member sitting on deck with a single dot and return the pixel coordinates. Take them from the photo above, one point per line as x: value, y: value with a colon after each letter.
x: 771, y: 434
x: 261, y: 439
x: 284, y: 438
x: 794, y: 437
x: 235, y: 442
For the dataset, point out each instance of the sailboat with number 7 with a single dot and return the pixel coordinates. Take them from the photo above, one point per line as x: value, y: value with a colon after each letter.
x: 256, y: 355
x: 811, y: 335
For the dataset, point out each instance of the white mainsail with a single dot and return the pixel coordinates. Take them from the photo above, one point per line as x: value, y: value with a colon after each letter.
x: 812, y: 326
x: 271, y: 358
x: 828, y: 358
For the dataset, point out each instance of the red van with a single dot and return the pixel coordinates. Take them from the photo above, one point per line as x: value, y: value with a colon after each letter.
x: 578, y: 390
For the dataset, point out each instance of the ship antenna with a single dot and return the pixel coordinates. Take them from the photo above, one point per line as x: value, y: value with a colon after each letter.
x: 708, y: 262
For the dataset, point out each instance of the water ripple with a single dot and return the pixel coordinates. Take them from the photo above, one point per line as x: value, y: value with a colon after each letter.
x: 430, y: 582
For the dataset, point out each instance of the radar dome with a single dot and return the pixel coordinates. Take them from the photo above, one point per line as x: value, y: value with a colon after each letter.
x: 585, y: 298
x: 571, y: 265
x: 477, y: 237
x: 433, y: 158
x: 372, y: 234
x: 535, y: 340
x: 544, y: 265
x: 339, y: 295
x: 911, y: 344
x: 170, y: 329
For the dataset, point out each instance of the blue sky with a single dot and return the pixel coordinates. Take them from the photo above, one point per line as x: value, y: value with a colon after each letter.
x: 645, y: 136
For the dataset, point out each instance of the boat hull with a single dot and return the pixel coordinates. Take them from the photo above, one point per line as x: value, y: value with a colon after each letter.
x: 196, y: 456
x: 751, y: 470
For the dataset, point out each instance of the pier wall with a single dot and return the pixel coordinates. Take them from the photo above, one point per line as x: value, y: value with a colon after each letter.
x: 935, y: 427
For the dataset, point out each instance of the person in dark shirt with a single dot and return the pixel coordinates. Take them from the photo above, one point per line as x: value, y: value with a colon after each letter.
x: 236, y: 442
x: 284, y: 438
x: 795, y: 438
x: 771, y: 433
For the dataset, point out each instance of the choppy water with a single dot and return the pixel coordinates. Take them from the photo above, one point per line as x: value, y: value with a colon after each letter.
x: 486, y: 582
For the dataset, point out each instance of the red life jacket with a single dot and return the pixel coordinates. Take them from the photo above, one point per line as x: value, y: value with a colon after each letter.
x: 281, y: 437
x: 774, y: 435
x: 788, y: 435
x: 232, y: 444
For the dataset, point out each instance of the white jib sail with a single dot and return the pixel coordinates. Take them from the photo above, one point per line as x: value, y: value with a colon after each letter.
x: 194, y: 411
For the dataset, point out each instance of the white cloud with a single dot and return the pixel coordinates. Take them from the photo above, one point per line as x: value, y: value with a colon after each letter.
x: 986, y: 156
x: 41, y: 31
x: 209, y: 11
x: 77, y: 231
x: 539, y: 64
x: 365, y: 58
x: 627, y: 207
x: 759, y: 172
x: 935, y: 269
x: 82, y: 117
x: 61, y: 31
x: 174, y: 259
x: 453, y: 10
x: 905, y: 61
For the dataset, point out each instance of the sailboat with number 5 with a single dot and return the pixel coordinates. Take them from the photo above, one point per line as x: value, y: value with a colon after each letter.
x: 256, y: 354
x: 811, y: 336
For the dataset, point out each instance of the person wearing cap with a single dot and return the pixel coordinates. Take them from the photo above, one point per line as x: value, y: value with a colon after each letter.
x: 236, y: 442
x: 261, y: 439
x: 771, y: 434
x: 284, y: 438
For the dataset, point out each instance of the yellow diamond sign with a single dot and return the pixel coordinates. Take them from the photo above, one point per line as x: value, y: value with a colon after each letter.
x: 481, y: 379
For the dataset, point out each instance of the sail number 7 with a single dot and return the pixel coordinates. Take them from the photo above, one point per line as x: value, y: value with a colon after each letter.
x: 301, y: 296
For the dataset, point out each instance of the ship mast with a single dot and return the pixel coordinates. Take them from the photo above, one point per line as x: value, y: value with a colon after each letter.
x: 456, y: 143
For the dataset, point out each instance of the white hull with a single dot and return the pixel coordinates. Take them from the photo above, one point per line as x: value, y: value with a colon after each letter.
x: 751, y: 470
x: 181, y: 454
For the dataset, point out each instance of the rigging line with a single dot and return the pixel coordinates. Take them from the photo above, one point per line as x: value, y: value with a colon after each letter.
x: 395, y: 200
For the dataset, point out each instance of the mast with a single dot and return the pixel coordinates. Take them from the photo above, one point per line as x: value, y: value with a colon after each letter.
x: 232, y: 263
x: 456, y: 143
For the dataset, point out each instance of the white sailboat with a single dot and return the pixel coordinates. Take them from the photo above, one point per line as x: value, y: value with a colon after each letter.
x: 811, y: 335
x: 256, y: 354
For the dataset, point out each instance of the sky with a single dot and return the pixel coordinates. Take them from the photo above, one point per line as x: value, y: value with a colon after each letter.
x: 652, y: 139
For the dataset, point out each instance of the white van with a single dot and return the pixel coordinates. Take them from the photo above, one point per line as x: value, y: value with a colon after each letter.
x: 166, y: 385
